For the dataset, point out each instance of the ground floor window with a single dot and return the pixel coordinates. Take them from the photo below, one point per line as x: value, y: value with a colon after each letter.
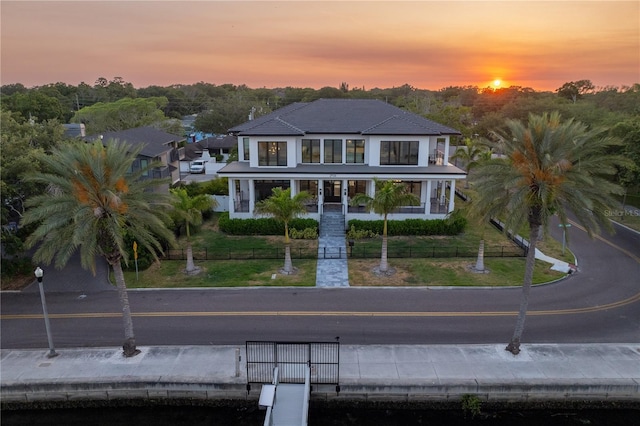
x: 414, y: 187
x: 311, y: 186
x: 264, y: 188
x: 357, y: 187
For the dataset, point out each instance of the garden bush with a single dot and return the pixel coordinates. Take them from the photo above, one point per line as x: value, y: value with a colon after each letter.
x: 453, y: 225
x: 262, y: 226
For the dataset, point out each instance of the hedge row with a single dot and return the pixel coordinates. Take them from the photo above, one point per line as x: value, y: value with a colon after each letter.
x: 450, y: 226
x: 262, y: 226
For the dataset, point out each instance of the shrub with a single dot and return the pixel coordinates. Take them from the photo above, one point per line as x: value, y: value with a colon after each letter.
x: 305, y: 234
x: 453, y: 225
x: 359, y: 234
x: 262, y: 226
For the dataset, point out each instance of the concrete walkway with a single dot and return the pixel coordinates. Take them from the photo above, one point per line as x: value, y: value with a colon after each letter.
x: 541, y: 372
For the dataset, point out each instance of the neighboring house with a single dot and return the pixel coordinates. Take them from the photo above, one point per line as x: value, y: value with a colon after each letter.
x: 208, y: 149
x: 333, y: 148
x: 74, y: 130
x: 156, y: 145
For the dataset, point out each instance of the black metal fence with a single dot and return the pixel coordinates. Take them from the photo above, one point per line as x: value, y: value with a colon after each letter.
x: 434, y: 251
x: 292, y: 359
x: 357, y: 251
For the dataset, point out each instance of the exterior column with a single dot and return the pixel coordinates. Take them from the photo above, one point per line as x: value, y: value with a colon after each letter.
x: 231, y: 183
x: 344, y: 197
x: 443, y: 192
x: 252, y: 196
x: 320, y: 193
x: 427, y: 201
x: 452, y: 196
x: 292, y: 185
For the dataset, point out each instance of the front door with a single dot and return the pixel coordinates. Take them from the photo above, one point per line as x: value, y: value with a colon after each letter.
x: 332, y: 189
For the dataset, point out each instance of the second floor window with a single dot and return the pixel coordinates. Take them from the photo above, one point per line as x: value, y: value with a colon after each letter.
x: 399, y: 152
x: 272, y: 153
x: 310, y: 150
x: 144, y: 163
x: 245, y: 148
x: 355, y: 151
x: 333, y: 150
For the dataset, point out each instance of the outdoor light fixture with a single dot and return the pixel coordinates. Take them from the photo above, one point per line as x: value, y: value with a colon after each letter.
x: 39, y: 273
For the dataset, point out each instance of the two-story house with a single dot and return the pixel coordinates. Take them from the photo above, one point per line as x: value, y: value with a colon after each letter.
x: 161, y: 147
x: 334, y: 148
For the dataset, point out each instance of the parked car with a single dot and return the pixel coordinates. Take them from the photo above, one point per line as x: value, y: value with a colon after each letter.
x: 197, y: 166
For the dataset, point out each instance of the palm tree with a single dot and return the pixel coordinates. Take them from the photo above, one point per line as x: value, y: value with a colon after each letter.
x: 283, y: 208
x: 389, y: 196
x: 470, y: 154
x: 91, y: 203
x: 189, y: 209
x: 549, y: 167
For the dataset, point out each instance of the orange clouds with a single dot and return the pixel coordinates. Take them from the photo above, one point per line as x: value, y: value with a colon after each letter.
x: 314, y: 44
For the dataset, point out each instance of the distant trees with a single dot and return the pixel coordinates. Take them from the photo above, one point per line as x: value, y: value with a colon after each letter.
x: 123, y: 114
x: 574, y: 90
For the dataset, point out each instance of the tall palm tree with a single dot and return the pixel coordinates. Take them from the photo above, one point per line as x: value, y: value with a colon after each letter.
x: 189, y: 209
x: 388, y: 197
x: 91, y: 203
x: 549, y: 167
x: 283, y: 208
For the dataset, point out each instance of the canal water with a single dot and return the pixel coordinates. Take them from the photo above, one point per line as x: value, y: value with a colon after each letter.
x: 245, y: 416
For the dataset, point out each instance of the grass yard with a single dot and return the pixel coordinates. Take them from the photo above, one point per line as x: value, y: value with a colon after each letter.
x: 215, y: 273
x: 448, y: 272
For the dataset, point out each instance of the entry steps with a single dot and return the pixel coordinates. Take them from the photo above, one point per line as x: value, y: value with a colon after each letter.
x: 287, y: 404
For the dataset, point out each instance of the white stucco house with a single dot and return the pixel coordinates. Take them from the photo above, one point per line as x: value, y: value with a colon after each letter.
x: 333, y: 148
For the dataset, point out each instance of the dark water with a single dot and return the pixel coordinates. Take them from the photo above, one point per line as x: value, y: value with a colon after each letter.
x: 241, y: 416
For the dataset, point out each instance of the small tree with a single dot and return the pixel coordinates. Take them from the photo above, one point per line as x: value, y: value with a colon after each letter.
x: 389, y: 196
x: 189, y: 210
x: 470, y: 154
x: 283, y: 208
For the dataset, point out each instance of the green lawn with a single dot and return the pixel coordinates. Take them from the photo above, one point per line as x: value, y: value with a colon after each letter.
x: 232, y: 273
x: 409, y: 272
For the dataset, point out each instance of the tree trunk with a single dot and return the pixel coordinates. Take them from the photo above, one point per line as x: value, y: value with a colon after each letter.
x: 480, y: 261
x: 384, y: 265
x: 288, y: 265
x: 534, y: 227
x: 129, y: 346
x: 190, y: 265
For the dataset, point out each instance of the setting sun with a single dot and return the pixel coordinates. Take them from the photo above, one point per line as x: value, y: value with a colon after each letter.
x: 497, y: 82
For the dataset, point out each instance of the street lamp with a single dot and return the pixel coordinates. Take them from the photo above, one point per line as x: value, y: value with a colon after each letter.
x: 52, y: 352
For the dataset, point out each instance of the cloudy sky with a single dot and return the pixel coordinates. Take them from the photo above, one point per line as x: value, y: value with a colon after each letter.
x: 427, y: 44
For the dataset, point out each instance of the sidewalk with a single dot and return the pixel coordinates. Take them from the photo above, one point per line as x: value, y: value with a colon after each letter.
x: 411, y: 373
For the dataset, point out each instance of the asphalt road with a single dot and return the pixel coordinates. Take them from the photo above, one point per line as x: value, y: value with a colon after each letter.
x: 598, y: 304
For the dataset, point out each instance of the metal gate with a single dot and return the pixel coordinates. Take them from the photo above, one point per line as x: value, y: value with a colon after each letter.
x: 292, y: 359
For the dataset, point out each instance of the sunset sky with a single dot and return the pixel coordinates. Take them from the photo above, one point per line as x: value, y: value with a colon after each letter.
x: 427, y: 44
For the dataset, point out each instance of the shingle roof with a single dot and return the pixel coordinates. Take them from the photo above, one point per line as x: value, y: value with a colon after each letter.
x: 154, y: 141
x: 359, y: 116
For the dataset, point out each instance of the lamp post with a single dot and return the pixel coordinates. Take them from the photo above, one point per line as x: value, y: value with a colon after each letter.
x: 52, y: 352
